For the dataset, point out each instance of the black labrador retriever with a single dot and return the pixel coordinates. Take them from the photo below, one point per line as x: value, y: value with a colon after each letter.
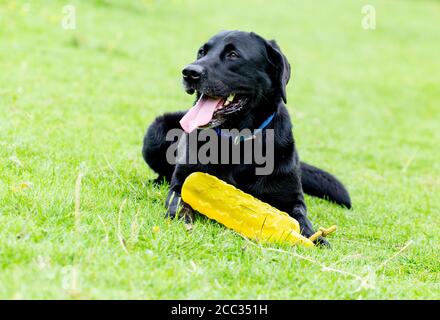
x: 240, y: 80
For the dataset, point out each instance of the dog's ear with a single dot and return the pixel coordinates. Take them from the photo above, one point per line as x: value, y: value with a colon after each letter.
x: 281, y: 65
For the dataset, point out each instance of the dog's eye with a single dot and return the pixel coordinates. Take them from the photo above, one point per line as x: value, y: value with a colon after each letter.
x: 232, y: 55
x: 201, y: 53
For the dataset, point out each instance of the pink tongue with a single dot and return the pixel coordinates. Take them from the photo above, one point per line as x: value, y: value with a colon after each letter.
x: 200, y: 114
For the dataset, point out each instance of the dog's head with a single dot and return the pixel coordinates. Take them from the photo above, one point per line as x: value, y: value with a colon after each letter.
x: 234, y: 71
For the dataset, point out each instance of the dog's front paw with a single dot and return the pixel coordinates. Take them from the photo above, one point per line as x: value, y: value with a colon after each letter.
x: 322, y: 242
x: 176, y: 207
x: 186, y: 213
x: 170, y: 214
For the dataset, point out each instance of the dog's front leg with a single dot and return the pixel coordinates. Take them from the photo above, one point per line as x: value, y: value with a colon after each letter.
x: 299, y: 212
x: 177, y: 208
x: 174, y: 204
x: 297, y: 206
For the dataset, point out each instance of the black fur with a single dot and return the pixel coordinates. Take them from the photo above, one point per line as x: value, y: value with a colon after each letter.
x: 258, y: 71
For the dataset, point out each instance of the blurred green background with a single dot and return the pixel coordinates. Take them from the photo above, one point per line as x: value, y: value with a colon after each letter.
x: 365, y: 106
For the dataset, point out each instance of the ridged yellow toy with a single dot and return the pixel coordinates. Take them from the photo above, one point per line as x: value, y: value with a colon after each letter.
x: 242, y: 212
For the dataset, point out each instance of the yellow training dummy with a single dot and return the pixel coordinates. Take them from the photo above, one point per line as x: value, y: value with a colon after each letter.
x: 242, y: 212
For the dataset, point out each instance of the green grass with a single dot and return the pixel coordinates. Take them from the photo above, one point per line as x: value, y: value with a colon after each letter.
x: 365, y: 106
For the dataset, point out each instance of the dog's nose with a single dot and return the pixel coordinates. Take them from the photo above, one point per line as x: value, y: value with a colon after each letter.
x: 192, y: 72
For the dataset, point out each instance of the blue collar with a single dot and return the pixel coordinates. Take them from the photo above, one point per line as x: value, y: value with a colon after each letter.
x: 238, y: 139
